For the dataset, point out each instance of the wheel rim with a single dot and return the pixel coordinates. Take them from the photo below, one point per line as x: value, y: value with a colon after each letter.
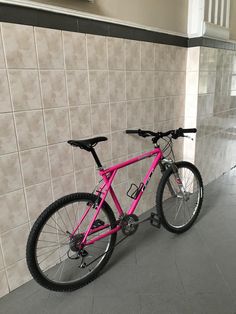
x: 180, y: 209
x: 53, y: 255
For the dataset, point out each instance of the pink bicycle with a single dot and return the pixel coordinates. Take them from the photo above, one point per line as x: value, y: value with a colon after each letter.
x: 74, y: 237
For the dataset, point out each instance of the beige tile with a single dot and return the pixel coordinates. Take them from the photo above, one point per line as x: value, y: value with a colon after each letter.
x: 75, y: 50
x: 98, y: 81
x: 78, y: 88
x: 10, y: 173
x: 97, y: 52
x: 100, y: 115
x: 63, y: 185
x: 122, y: 174
x: 53, y: 88
x: 161, y: 60
x: 13, y: 244
x: 49, y: 47
x: 134, y: 143
x: 1, y: 259
x: 57, y: 125
x: 117, y: 85
x: 5, y: 102
x: 7, y: 134
x: 147, y: 56
x: 18, y: 274
x: 2, y: 61
x: 19, y: 46
x: 147, y: 110
x: 30, y: 129
x: 118, y: 116
x: 119, y: 145
x: 85, y: 180
x: 132, y: 55
x: 147, y: 84
x: 134, y: 170
x: 13, y: 210
x: 60, y: 156
x: 133, y: 85
x: 3, y: 284
x: 80, y: 122
x: 35, y: 166
x: 38, y: 198
x: 25, y: 89
x: 159, y: 109
x: 82, y: 159
x: 134, y: 114
x: 103, y: 149
x: 116, y: 53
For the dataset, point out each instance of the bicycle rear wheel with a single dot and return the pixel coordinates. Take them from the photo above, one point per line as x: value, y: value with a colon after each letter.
x: 179, y: 211
x: 52, y: 255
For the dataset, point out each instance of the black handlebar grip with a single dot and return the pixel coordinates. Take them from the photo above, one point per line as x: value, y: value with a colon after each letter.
x: 132, y: 131
x: 189, y: 130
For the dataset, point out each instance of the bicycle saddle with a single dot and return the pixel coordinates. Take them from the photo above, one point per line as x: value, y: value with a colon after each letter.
x: 87, y: 144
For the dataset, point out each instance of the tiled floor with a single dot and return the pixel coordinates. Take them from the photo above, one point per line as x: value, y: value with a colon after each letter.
x: 157, y: 272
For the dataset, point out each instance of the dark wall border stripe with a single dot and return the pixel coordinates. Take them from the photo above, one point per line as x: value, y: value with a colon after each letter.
x: 42, y: 18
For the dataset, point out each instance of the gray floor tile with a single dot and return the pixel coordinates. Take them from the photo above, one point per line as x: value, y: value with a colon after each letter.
x: 129, y: 304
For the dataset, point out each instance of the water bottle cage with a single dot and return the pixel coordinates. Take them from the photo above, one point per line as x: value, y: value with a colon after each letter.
x: 134, y: 194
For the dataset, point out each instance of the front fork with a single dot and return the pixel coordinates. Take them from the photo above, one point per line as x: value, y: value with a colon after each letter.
x: 165, y: 164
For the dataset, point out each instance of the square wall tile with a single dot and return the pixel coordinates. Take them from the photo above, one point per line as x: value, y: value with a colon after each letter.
x: 147, y: 56
x: 147, y: 84
x: 132, y: 55
x: 25, y: 89
x: 133, y: 85
x: 117, y: 85
x: 13, y: 244
x: 118, y: 116
x: 63, y: 185
x: 147, y: 110
x: 57, y: 125
x: 60, y: 156
x: 82, y: 158
x: 7, y: 134
x: 80, y: 122
x: 19, y: 46
x: 1, y: 259
x: 119, y: 145
x: 85, y: 180
x: 3, y: 284
x: 10, y: 217
x: 103, y: 150
x: 10, y: 173
x: 116, y: 53
x: 18, y: 274
x: 53, y: 88
x: 38, y: 198
x: 78, y: 87
x: 35, y: 166
x: 134, y: 113
x: 2, y: 61
x: 49, y: 48
x: 75, y: 50
x: 97, y: 52
x: 5, y: 100
x: 100, y: 115
x: 98, y: 81
x: 30, y: 129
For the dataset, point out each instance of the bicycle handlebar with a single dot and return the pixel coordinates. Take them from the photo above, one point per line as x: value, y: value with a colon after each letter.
x: 157, y: 135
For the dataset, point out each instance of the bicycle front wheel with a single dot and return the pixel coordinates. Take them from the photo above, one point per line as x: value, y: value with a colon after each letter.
x: 53, y: 255
x: 178, y: 209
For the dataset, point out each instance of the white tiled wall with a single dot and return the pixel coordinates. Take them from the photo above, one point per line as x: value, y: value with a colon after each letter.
x: 57, y: 85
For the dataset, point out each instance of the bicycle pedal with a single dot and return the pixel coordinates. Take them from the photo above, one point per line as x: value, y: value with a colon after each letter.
x: 97, y: 223
x: 155, y: 220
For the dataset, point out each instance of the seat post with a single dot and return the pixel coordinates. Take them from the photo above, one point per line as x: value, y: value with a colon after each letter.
x: 95, y: 156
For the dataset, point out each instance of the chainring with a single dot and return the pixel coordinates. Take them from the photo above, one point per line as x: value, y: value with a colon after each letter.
x: 129, y: 224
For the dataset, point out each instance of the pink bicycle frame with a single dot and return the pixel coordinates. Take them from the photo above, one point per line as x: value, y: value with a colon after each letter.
x: 108, y: 176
